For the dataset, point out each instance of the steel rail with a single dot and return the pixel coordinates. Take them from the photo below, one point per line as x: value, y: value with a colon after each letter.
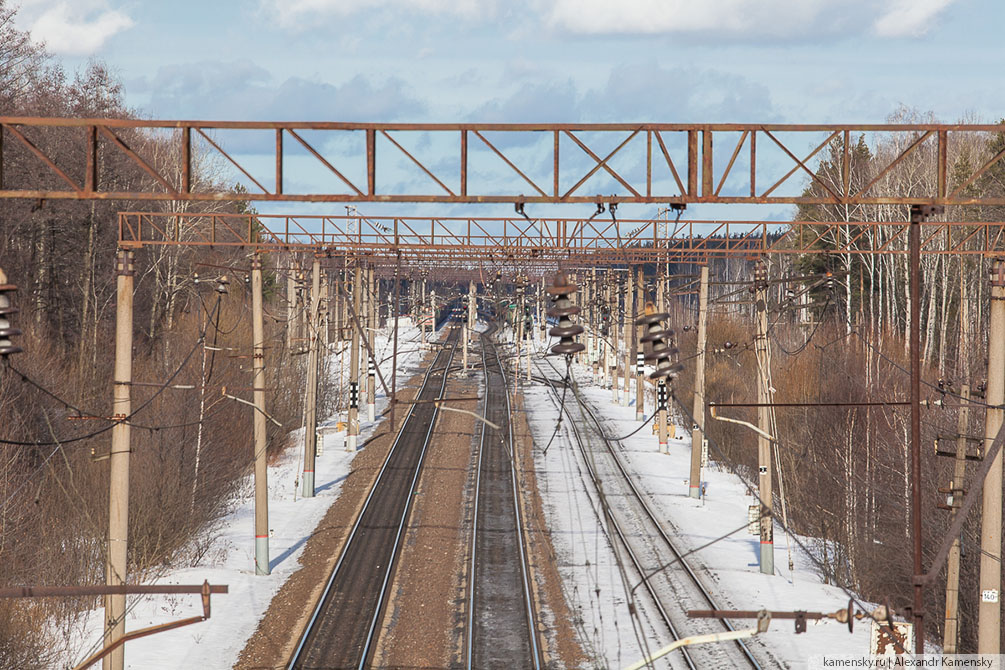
x: 529, y: 608
x: 301, y: 646
x: 622, y: 537
x: 693, y: 577
x: 381, y: 598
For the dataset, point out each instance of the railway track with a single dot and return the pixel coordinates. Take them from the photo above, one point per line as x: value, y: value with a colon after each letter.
x: 343, y: 629
x: 646, y: 542
x: 502, y: 616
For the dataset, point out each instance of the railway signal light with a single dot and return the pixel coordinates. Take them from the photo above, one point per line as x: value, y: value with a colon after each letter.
x: 7, y: 331
x: 561, y: 291
x: 656, y: 343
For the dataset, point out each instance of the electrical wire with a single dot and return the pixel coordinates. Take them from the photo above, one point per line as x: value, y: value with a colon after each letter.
x: 561, y: 406
x: 113, y: 422
x: 735, y: 471
x: 944, y: 391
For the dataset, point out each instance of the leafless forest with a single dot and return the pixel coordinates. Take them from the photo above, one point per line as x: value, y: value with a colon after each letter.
x: 191, y: 447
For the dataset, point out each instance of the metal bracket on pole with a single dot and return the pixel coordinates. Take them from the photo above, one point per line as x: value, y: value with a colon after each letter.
x: 763, y: 620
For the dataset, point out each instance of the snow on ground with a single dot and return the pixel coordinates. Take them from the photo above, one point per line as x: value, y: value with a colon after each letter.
x: 217, y: 642
x: 733, y: 577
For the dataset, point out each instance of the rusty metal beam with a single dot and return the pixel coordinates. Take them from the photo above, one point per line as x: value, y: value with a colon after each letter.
x: 704, y: 181
x: 545, y: 240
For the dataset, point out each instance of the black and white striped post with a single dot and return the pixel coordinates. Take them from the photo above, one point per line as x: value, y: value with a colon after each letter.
x: 640, y: 367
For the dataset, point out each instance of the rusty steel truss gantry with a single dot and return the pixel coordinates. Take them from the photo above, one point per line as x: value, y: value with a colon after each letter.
x: 485, y: 163
x: 548, y: 241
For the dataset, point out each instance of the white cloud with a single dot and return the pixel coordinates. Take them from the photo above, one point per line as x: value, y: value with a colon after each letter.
x: 909, y: 18
x: 754, y: 17
x: 77, y: 28
x: 291, y: 12
x: 744, y: 19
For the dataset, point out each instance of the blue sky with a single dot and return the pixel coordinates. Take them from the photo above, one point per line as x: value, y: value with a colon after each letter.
x: 790, y: 61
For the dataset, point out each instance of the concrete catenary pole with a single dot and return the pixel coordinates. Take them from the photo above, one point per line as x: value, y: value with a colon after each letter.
x: 371, y: 373
x: 423, y: 310
x: 324, y: 323
x: 472, y: 307
x: 989, y: 609
x: 609, y: 334
x: 352, y: 430
x: 628, y: 316
x: 258, y: 423
x: 464, y: 337
x: 521, y: 290
x: 541, y: 310
x: 396, y: 307
x: 118, y: 495
x: 311, y: 419
x: 291, y: 309
x: 764, y: 395
x: 951, y: 631
x: 698, y: 410
x: 588, y: 298
x: 640, y: 378
x: 301, y: 312
x: 615, y: 337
